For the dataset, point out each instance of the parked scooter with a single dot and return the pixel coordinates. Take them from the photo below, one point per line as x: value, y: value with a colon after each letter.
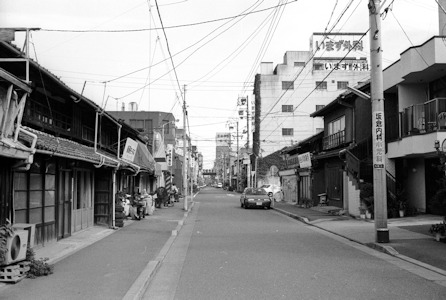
x: 139, y: 206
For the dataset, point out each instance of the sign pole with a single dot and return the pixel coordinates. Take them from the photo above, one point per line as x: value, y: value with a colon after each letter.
x: 378, y: 129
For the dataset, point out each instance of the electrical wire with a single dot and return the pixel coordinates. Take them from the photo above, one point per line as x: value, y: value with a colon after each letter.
x: 307, y: 62
x: 329, y: 73
x: 167, y: 27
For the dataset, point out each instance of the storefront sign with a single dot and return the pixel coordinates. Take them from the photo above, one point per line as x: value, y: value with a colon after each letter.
x: 304, y: 160
x: 130, y: 150
x: 378, y: 139
x: 287, y: 172
x: 339, y: 45
x: 347, y: 66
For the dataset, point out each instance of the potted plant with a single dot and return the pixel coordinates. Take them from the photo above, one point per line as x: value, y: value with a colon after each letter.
x: 402, y: 201
x: 402, y: 208
x: 367, y: 199
x: 6, y: 231
x: 438, y: 230
x: 362, y: 211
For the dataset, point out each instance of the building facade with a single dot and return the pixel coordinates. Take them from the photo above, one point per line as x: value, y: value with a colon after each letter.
x: 306, y: 81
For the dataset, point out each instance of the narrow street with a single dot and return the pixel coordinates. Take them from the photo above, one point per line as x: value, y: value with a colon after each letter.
x: 226, y: 252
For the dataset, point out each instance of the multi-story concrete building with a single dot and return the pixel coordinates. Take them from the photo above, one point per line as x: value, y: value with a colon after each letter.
x: 158, y: 130
x: 306, y: 81
x: 222, y: 155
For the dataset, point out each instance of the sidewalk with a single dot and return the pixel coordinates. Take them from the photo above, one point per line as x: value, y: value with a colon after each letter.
x: 96, y: 264
x: 409, y: 236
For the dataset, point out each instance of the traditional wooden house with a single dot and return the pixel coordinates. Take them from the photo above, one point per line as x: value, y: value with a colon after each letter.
x: 346, y: 157
x: 77, y: 168
x: 297, y: 176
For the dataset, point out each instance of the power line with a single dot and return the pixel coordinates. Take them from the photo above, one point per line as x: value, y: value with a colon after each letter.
x: 308, y: 61
x: 167, y: 27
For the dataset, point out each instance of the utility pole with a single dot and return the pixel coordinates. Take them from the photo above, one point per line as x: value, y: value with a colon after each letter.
x: 248, y: 169
x: 238, y: 162
x: 184, y: 151
x: 191, y: 172
x: 378, y: 129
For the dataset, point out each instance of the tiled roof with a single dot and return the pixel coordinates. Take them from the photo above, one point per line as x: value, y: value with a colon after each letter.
x: 67, y: 148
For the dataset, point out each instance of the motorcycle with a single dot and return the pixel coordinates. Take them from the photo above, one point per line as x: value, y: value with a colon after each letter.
x: 139, y: 206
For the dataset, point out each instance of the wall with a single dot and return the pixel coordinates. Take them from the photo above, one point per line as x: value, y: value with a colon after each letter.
x: 351, y: 197
x: 304, y: 99
x: 410, y: 94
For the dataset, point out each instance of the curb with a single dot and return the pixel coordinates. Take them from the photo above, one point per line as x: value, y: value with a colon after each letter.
x: 141, y: 284
x: 382, y: 248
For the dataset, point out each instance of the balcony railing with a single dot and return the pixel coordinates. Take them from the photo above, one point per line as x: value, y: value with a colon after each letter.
x: 334, y: 140
x: 423, y: 118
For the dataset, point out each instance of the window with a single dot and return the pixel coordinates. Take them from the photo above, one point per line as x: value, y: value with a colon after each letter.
x: 336, y: 125
x: 166, y: 126
x: 142, y: 125
x: 287, y: 108
x: 321, y: 85
x: 137, y: 124
x: 299, y: 64
x: 342, y: 85
x: 319, y: 107
x: 287, y: 131
x: 287, y: 85
x: 318, y: 66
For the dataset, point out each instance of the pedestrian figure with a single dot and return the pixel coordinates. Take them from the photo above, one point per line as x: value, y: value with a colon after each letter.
x: 161, y: 196
x: 175, y: 193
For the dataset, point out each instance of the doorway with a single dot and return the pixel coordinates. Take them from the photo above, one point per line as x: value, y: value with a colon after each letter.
x: 65, y: 198
x: 83, y: 183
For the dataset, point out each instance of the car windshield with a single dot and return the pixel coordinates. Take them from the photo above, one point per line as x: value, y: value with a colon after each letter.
x: 265, y: 186
x: 254, y: 191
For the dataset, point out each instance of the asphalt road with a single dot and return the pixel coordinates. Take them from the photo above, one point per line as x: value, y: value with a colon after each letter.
x: 226, y: 252
x: 105, y: 269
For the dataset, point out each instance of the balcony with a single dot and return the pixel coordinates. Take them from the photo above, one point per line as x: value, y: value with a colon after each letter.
x: 423, y: 118
x: 335, y: 140
x: 419, y: 126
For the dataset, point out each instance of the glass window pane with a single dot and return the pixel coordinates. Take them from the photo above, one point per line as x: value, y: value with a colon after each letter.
x: 35, y: 182
x: 20, y: 216
x: 20, y: 200
x: 20, y: 181
x: 35, y: 216
x: 50, y: 182
x: 35, y: 199
x: 49, y: 198
x: 50, y: 214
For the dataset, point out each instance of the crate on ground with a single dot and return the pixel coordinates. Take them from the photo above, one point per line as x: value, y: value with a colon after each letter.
x: 14, y: 273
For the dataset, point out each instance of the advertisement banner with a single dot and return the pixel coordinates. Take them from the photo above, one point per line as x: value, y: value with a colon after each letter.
x: 130, y: 150
x: 304, y: 160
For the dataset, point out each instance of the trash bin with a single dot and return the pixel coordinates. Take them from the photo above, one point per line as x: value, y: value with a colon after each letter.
x: 322, y: 199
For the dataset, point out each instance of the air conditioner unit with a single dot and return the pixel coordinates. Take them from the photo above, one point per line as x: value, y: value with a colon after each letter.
x: 16, y: 245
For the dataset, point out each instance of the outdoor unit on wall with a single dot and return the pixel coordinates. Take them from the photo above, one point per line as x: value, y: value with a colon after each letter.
x: 16, y: 246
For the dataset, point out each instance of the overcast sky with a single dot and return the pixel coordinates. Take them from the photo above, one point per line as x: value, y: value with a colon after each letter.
x: 216, y: 55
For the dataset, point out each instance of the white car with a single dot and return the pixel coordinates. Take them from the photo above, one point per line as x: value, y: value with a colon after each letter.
x: 219, y: 185
x: 271, y: 189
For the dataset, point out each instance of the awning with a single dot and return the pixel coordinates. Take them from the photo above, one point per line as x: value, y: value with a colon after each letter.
x: 57, y: 146
x: 143, y: 158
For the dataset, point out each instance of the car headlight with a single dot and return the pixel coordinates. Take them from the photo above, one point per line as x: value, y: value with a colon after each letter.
x: 250, y: 200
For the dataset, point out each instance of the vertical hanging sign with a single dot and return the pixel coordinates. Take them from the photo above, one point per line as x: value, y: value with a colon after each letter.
x: 378, y: 142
